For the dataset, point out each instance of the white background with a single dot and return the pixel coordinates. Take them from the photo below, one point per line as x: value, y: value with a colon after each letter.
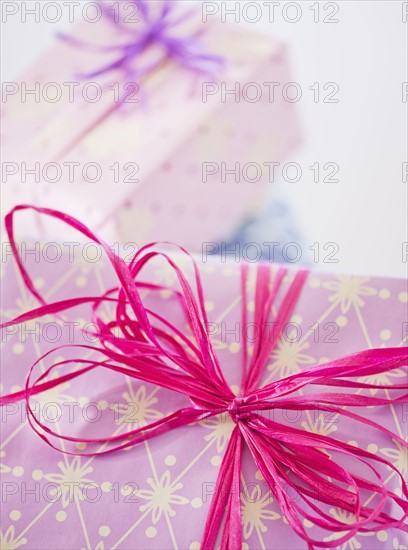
x: 365, y: 53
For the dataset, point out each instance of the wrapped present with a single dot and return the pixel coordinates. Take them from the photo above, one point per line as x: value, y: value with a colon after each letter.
x: 150, y: 126
x: 195, y: 391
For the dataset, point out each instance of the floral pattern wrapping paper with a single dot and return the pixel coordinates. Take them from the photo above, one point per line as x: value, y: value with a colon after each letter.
x: 157, y: 495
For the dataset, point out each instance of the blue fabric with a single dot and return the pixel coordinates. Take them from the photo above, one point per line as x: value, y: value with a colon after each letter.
x: 274, y: 222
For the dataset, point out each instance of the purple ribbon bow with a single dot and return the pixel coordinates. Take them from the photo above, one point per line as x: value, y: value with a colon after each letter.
x: 158, y: 24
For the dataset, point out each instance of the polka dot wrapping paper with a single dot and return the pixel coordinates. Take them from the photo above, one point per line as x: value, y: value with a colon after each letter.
x: 194, y: 151
x: 157, y: 494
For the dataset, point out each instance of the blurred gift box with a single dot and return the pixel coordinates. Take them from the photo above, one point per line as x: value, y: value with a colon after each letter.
x: 165, y: 153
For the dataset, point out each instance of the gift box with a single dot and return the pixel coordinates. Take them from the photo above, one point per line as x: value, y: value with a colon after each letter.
x: 159, y: 493
x: 195, y: 150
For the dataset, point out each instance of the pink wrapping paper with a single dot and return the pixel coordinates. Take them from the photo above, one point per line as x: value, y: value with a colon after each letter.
x: 157, y: 495
x: 151, y: 154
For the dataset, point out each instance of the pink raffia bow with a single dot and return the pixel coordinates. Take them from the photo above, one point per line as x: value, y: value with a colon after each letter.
x: 152, y: 349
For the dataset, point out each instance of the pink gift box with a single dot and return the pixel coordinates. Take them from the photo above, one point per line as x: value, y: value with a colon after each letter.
x: 159, y: 165
x: 157, y: 495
